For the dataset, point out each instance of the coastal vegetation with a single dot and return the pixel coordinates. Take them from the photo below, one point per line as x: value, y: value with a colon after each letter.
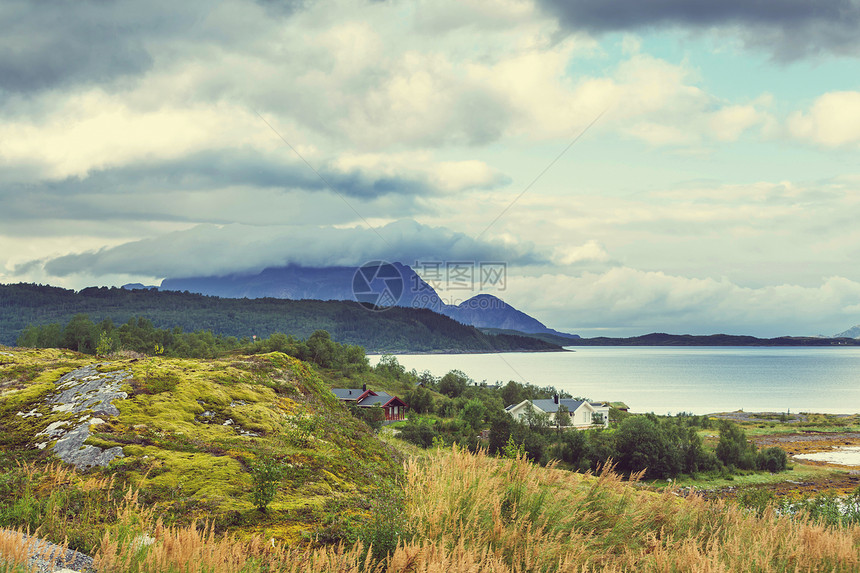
x: 247, y: 462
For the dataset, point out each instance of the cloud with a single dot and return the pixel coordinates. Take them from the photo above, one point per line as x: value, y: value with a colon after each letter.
x: 590, y: 251
x: 60, y: 45
x: 832, y: 121
x: 631, y: 301
x: 217, y: 250
x: 246, y: 185
x: 790, y: 29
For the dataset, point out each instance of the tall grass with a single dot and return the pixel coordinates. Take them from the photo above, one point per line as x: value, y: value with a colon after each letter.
x: 474, y: 513
x: 539, y: 519
x: 62, y: 504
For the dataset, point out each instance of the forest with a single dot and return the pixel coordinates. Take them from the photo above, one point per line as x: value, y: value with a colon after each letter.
x: 393, y: 330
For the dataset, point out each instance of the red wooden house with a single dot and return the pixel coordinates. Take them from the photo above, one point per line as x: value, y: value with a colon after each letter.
x: 394, y: 407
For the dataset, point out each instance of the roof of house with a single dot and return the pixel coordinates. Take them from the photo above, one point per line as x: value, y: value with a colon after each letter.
x: 366, y: 397
x: 381, y: 398
x: 549, y: 405
x: 350, y: 393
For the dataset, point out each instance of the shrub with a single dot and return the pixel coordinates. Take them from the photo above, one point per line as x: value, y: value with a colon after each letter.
x: 388, y: 526
x: 419, y: 432
x: 643, y: 443
x: 266, y: 474
x: 772, y: 459
x: 734, y: 449
x: 473, y: 413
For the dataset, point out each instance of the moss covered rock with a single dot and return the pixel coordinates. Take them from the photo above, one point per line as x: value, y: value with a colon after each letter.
x: 187, y: 431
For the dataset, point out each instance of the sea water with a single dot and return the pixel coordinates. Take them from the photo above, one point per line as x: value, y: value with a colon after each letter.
x: 665, y: 380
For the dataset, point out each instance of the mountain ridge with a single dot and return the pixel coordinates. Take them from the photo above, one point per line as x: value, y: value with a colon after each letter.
x: 294, y: 282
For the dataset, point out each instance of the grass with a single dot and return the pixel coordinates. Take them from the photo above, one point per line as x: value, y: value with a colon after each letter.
x: 459, y: 511
x: 180, y: 500
x: 471, y: 512
x: 191, y: 431
x: 705, y: 481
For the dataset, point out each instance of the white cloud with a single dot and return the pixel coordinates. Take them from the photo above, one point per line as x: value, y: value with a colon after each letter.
x: 832, y: 121
x: 96, y: 130
x: 590, y: 251
x: 631, y: 301
x: 446, y: 176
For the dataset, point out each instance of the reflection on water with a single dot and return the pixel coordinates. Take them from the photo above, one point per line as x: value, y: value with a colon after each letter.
x: 843, y: 456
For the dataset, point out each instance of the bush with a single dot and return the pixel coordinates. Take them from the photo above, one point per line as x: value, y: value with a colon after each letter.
x: 420, y: 432
x: 571, y: 448
x: 266, y: 474
x: 772, y: 459
x: 734, y: 449
x: 643, y: 443
x: 473, y: 413
x: 388, y: 526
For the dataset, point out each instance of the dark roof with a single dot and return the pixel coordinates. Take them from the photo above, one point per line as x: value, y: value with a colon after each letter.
x: 350, y: 393
x: 549, y: 406
x: 381, y: 398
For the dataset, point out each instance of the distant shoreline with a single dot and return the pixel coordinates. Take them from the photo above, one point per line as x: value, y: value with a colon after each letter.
x: 662, y: 339
x: 453, y: 351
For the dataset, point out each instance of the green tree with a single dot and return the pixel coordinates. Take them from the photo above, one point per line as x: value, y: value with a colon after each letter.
x: 733, y: 448
x: 512, y: 393
x: 772, y: 459
x: 419, y: 400
x: 389, y: 367
x: 80, y: 334
x: 572, y: 448
x: 535, y: 420
x: 643, y: 443
x: 473, y: 413
x: 453, y: 383
x: 106, y: 344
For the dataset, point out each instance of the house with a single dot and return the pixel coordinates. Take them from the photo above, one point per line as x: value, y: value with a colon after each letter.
x: 581, y: 411
x: 394, y: 407
x: 602, y: 408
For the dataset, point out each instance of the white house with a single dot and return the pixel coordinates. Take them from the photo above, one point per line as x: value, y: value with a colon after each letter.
x: 581, y: 411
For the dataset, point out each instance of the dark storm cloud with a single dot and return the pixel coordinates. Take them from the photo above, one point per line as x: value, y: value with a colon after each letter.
x: 789, y: 28
x: 50, y: 44
x: 55, y: 43
x: 78, y: 197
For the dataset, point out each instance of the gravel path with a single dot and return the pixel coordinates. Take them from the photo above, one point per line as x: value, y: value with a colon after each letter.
x: 48, y: 557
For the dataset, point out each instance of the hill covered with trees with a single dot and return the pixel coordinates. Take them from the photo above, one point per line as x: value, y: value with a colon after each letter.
x: 394, y: 330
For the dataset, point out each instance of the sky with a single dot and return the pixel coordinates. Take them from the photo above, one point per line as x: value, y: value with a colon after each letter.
x: 638, y: 165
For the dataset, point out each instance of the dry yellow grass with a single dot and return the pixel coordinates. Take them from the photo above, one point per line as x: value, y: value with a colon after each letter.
x: 472, y: 513
x: 543, y: 519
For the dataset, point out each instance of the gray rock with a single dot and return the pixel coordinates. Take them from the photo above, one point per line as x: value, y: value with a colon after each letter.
x: 88, y: 392
x: 46, y: 557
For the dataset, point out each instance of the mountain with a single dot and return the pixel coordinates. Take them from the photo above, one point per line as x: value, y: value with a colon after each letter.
x: 138, y: 286
x: 853, y: 332
x: 338, y: 283
x: 396, y: 330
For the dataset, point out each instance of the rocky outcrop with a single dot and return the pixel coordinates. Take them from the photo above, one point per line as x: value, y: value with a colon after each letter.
x: 87, y: 395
